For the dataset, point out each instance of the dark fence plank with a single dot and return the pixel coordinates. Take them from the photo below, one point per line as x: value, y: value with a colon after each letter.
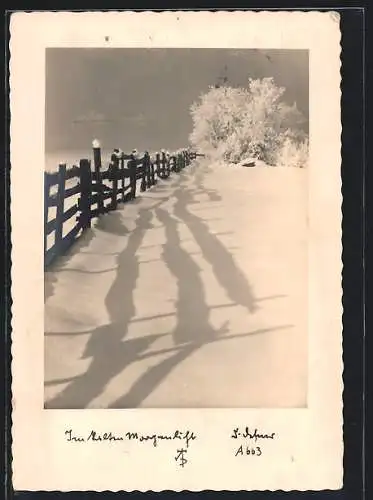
x: 70, y: 213
x: 72, y: 191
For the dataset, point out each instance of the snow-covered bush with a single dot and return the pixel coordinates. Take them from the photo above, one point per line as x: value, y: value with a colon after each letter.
x: 293, y: 153
x: 234, y: 123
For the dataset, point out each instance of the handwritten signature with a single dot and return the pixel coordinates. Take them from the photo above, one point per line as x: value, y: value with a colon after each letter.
x: 249, y: 434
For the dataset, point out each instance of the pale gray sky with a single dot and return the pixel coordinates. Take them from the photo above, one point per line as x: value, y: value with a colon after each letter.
x: 140, y: 98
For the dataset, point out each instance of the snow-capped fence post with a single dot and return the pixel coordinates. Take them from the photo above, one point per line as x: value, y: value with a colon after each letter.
x: 132, y: 166
x: 97, y: 168
x: 85, y: 194
x: 114, y: 172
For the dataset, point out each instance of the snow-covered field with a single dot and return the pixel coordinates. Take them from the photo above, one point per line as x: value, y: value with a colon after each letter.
x: 193, y: 296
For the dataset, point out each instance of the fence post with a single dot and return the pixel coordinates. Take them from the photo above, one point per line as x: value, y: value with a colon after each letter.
x: 158, y: 164
x: 132, y: 166
x: 147, y: 170
x: 85, y: 194
x: 152, y: 172
x: 97, y: 168
x: 168, y: 156
x: 163, y: 164
x: 115, y: 172
x: 143, y: 176
x: 167, y: 165
x: 60, y: 204
x: 182, y: 160
x: 122, y: 176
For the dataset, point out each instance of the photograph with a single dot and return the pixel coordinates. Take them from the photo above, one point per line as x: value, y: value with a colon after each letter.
x: 176, y: 227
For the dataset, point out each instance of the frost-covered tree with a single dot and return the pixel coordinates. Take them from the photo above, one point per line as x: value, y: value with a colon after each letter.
x: 234, y: 123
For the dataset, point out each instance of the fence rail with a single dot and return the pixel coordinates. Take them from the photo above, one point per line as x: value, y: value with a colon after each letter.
x: 97, y: 191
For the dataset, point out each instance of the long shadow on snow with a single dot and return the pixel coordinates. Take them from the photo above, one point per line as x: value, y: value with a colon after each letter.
x: 193, y: 329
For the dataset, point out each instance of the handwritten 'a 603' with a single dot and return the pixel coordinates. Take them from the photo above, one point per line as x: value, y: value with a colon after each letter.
x: 248, y: 434
x: 247, y: 450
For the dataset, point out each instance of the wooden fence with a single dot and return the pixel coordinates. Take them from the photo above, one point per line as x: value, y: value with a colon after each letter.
x: 95, y: 191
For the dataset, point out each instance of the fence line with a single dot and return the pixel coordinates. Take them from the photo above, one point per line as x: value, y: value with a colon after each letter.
x: 98, y: 191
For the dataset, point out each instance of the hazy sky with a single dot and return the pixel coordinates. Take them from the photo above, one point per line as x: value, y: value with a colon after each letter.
x: 140, y: 98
